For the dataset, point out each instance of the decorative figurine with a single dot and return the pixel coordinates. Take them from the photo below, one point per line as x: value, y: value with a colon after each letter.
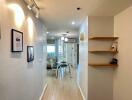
x: 114, y: 61
x: 114, y: 46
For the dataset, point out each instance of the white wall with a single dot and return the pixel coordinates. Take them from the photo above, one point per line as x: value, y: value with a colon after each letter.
x: 123, y: 74
x: 83, y: 60
x: 100, y: 80
x: 20, y: 80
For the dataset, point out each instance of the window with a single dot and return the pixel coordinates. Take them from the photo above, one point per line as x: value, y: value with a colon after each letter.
x: 51, y: 49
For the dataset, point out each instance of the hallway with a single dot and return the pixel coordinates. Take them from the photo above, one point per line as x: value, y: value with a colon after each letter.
x: 65, y: 49
x: 62, y: 89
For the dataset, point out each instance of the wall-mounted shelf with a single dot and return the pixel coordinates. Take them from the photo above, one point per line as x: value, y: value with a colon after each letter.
x: 103, y: 38
x: 102, y: 51
x: 103, y: 65
x: 96, y: 50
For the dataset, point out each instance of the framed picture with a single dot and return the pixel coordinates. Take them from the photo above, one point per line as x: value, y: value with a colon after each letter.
x: 0, y: 31
x: 16, y: 41
x: 0, y: 27
x: 30, y: 53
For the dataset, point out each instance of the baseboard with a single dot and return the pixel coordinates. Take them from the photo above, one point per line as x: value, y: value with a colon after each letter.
x: 81, y: 92
x: 44, y: 89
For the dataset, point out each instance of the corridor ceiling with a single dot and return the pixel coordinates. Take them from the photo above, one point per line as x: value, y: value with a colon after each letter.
x: 58, y: 15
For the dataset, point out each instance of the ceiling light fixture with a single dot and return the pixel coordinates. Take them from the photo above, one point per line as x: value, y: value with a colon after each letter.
x: 37, y: 13
x: 30, y: 6
x: 66, y: 39
x: 62, y: 38
x: 73, y: 23
x: 47, y: 32
x: 78, y: 8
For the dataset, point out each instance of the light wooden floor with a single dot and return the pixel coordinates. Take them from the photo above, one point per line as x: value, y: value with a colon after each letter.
x: 62, y: 89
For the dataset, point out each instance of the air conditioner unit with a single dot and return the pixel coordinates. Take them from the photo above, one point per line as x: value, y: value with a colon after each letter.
x: 71, y: 40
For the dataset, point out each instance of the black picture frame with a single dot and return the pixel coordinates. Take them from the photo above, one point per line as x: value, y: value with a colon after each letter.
x: 30, y: 53
x: 0, y: 29
x: 16, y: 41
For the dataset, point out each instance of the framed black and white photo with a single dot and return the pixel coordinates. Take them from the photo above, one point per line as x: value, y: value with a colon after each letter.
x: 0, y: 30
x: 16, y: 41
x: 30, y: 53
x: 0, y: 27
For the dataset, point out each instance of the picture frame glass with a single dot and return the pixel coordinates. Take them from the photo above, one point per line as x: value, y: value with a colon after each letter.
x: 30, y: 53
x: 17, y: 41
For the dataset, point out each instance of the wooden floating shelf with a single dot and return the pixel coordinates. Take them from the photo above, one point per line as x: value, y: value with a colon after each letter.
x: 102, y: 51
x: 103, y: 65
x: 103, y: 38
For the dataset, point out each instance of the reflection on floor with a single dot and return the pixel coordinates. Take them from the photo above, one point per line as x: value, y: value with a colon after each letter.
x: 63, y: 88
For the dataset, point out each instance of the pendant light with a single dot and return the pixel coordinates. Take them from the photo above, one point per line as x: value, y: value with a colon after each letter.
x: 66, y: 39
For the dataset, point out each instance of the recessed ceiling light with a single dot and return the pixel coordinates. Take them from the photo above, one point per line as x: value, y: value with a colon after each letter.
x: 73, y: 23
x: 78, y: 8
x: 47, y: 32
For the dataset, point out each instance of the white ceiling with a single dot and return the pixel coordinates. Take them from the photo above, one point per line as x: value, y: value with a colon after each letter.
x: 58, y: 14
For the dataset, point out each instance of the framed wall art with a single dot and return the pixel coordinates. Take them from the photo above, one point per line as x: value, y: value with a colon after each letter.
x: 16, y: 41
x: 0, y: 30
x: 0, y: 27
x: 30, y: 53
